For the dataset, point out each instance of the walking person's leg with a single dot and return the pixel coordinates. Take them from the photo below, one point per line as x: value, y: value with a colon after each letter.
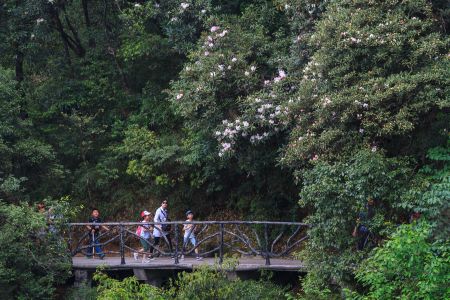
x: 157, y: 238
x: 98, y: 248
x: 183, y: 249
x: 169, y: 241
x: 194, y: 243
x: 90, y: 249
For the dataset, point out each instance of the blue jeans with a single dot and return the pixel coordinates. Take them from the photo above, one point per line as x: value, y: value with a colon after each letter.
x: 94, y: 244
x: 191, y: 238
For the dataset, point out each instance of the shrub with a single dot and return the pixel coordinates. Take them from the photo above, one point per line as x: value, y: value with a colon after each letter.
x: 408, y: 266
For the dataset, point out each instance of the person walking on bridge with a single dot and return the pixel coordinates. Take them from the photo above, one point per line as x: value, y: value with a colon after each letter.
x: 94, y: 234
x: 162, y: 230
x: 189, y: 235
x: 144, y: 233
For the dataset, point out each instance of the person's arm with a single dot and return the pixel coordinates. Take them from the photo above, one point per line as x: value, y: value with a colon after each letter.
x: 157, y: 219
x: 89, y: 226
x: 355, y: 231
x: 105, y: 227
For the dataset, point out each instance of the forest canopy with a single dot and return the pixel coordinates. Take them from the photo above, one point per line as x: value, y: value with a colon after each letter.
x: 292, y: 110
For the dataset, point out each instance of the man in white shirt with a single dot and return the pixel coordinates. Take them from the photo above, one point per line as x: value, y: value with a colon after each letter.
x: 162, y: 230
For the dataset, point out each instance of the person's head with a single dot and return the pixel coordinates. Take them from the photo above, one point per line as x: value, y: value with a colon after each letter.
x: 164, y: 203
x: 41, y: 206
x: 370, y: 201
x: 361, y: 217
x: 145, y: 215
x: 189, y: 215
x: 95, y: 212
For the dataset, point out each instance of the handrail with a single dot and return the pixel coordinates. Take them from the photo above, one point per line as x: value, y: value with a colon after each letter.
x: 262, y: 238
x: 187, y: 222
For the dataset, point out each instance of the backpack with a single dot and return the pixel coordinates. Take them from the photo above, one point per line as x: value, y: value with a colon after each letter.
x: 139, y: 230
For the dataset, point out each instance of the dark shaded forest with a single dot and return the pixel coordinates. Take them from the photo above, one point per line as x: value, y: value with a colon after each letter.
x: 294, y: 110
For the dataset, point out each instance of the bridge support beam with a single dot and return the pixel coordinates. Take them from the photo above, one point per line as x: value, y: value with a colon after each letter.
x: 82, y: 277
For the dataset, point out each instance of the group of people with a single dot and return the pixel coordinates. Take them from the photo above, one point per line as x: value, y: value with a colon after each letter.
x: 146, y: 232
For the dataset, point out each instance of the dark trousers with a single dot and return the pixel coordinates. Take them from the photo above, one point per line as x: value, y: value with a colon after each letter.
x: 94, y: 243
x: 157, y: 239
x: 362, y: 240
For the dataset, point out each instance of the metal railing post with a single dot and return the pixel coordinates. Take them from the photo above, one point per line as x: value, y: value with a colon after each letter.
x: 122, y: 247
x: 266, y: 244
x: 176, y: 245
x: 69, y: 242
x: 221, y: 243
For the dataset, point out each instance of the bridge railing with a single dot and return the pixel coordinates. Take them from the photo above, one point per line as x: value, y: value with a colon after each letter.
x: 248, y: 238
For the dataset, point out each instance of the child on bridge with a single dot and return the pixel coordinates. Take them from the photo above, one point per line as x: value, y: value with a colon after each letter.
x: 94, y: 234
x: 189, y: 235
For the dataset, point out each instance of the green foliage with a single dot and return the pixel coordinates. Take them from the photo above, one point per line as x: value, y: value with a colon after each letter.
x: 243, y: 104
x: 206, y: 283
x: 26, y: 161
x: 34, y: 257
x: 377, y: 72
x: 203, y: 283
x: 336, y: 194
x: 127, y: 289
x: 82, y: 292
x: 407, y: 266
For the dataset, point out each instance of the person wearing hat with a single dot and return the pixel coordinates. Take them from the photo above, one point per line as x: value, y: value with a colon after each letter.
x: 144, y: 233
x: 189, y: 235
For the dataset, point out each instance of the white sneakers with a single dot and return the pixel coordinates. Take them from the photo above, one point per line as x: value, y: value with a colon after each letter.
x: 136, y: 255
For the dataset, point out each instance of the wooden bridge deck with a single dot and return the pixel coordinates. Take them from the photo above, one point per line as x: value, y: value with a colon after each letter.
x: 165, y: 263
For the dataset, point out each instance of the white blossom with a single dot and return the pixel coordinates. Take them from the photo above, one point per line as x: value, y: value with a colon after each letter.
x: 234, y: 59
x: 223, y: 33
x: 247, y: 73
x: 281, y: 75
x: 39, y: 21
x: 184, y: 5
x: 206, y: 53
x: 214, y: 28
x: 253, y: 68
x: 179, y: 96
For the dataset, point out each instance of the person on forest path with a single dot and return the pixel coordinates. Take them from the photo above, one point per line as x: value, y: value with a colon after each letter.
x: 361, y: 230
x: 162, y: 230
x: 189, y: 235
x: 144, y: 232
x: 94, y: 234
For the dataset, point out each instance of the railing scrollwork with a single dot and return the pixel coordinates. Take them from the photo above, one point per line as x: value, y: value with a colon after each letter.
x: 248, y: 238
